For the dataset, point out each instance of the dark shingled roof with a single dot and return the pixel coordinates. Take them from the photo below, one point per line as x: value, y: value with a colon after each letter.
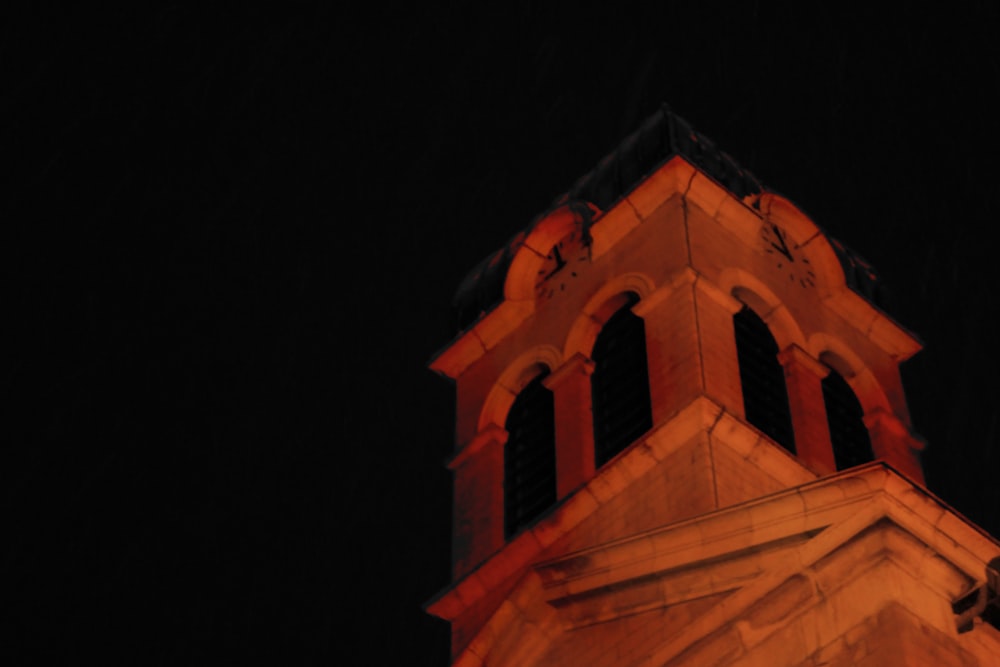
x: 662, y: 136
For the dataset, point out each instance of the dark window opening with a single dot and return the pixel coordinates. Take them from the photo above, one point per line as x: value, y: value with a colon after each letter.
x: 765, y: 396
x: 529, y: 457
x: 620, y: 385
x: 851, y: 443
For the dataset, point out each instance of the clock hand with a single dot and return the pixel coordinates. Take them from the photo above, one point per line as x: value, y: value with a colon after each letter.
x: 783, y: 248
x: 784, y: 251
x: 560, y: 262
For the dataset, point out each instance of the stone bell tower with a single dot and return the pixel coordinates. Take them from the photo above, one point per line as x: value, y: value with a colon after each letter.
x: 682, y: 439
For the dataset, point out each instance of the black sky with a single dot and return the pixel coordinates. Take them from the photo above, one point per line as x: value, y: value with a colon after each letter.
x: 237, y: 234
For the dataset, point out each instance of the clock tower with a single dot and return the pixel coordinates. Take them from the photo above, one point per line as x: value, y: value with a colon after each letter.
x: 682, y: 439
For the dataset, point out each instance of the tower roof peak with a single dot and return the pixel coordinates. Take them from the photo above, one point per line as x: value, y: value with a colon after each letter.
x: 662, y: 136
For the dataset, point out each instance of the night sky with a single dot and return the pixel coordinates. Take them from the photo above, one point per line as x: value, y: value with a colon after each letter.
x: 237, y: 236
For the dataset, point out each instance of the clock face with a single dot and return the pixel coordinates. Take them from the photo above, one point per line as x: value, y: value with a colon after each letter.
x: 562, y: 265
x: 787, y: 255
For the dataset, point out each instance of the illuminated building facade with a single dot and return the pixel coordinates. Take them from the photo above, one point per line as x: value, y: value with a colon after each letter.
x: 682, y: 439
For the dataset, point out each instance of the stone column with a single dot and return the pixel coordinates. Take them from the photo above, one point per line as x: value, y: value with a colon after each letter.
x: 804, y: 382
x: 574, y: 421
x: 720, y: 361
x: 691, y: 346
x: 675, y: 377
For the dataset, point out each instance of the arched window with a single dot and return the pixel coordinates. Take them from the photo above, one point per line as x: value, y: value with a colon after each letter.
x: 765, y: 396
x: 851, y: 443
x: 620, y: 384
x: 529, y: 457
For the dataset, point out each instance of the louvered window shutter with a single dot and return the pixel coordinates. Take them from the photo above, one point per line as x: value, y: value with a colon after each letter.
x: 851, y: 443
x: 620, y: 385
x: 529, y: 457
x: 765, y: 396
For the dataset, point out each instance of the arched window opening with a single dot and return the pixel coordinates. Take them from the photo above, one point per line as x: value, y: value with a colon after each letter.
x: 620, y: 384
x: 765, y: 396
x: 851, y: 443
x: 529, y: 457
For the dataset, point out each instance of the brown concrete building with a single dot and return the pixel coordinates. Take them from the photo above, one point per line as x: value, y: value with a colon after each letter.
x: 682, y: 439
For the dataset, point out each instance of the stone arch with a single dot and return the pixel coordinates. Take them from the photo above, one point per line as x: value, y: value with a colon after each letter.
x: 600, y: 307
x: 838, y: 356
x: 513, y: 379
x: 612, y: 336
x: 762, y: 300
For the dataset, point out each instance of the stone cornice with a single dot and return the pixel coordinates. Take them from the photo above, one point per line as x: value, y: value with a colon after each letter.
x: 874, y: 490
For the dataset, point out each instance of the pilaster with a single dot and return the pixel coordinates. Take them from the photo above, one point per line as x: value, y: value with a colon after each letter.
x: 804, y: 383
x: 570, y: 387
x: 720, y: 362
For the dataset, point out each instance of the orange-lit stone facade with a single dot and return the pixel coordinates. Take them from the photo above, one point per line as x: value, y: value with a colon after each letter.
x: 704, y: 542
